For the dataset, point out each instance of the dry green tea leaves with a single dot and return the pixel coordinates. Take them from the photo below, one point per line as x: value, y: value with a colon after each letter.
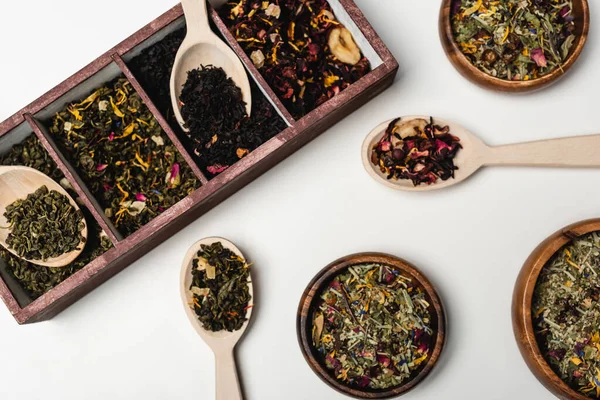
x: 566, y: 314
x: 44, y: 225
x: 514, y: 39
x: 372, y: 327
x: 36, y: 279
x: 123, y: 155
x: 221, y: 295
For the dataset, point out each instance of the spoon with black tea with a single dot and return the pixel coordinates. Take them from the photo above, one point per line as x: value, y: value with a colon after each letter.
x: 222, y: 342
x: 17, y: 182
x: 574, y: 152
x: 202, y: 47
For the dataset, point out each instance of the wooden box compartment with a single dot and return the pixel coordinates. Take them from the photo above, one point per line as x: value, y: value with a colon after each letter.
x: 31, y: 123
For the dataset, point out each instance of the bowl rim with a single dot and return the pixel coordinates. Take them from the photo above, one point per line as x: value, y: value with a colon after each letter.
x: 462, y: 64
x: 327, y: 273
x: 521, y: 306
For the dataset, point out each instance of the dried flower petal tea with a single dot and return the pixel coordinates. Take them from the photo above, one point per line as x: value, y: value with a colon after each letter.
x: 418, y: 150
x: 123, y: 155
x: 514, y: 39
x: 301, y: 50
x: 220, y: 290
x: 35, y: 279
x: 222, y: 133
x: 372, y: 327
x: 44, y: 225
x: 566, y: 314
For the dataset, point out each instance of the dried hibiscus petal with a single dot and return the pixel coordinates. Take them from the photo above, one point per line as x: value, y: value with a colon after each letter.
x: 419, y: 151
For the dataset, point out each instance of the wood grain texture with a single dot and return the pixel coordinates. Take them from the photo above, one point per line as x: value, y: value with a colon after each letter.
x: 466, y: 69
x: 521, y: 307
x: 304, y: 322
x: 129, y: 249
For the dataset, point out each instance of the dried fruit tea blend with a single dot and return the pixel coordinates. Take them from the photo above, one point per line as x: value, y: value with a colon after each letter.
x: 301, y: 50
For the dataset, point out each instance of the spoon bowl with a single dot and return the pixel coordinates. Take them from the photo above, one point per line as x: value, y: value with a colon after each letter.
x: 18, y: 182
x: 468, y: 159
x: 222, y: 343
x: 578, y: 152
x: 202, y: 47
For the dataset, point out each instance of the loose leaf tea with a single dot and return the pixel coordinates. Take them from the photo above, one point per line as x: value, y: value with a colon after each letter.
x: 123, y: 155
x: 372, y: 327
x: 417, y: 150
x: 221, y: 133
x: 305, y: 55
x: 35, y: 279
x: 220, y: 130
x: 566, y: 314
x: 514, y: 39
x: 44, y: 225
x: 220, y: 289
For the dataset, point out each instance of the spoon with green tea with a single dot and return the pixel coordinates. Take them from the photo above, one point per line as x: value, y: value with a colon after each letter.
x: 202, y: 47
x: 221, y: 342
x: 17, y: 183
x: 575, y: 152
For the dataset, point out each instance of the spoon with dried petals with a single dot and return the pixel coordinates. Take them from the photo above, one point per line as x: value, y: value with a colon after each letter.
x: 222, y: 343
x: 202, y: 47
x: 18, y: 182
x: 575, y: 152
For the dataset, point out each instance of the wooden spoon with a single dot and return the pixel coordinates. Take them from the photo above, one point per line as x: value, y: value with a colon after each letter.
x: 202, y: 47
x: 578, y: 151
x: 17, y: 183
x: 222, y: 343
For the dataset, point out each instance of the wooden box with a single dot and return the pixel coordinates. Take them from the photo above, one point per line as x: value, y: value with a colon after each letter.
x: 125, y: 251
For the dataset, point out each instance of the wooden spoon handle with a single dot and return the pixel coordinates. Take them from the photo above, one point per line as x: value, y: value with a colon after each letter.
x: 228, y: 385
x: 579, y: 151
x: 196, y: 17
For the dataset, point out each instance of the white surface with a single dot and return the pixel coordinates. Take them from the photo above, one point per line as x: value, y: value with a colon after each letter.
x: 130, y: 338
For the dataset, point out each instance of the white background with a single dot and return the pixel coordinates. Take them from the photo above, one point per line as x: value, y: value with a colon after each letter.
x: 130, y: 339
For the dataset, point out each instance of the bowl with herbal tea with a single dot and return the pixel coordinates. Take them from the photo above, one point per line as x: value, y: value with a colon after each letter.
x: 556, y: 311
x: 371, y: 326
x: 511, y: 45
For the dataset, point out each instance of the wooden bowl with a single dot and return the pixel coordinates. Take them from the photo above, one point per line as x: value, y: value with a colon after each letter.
x: 311, y: 294
x: 521, y: 307
x: 581, y: 12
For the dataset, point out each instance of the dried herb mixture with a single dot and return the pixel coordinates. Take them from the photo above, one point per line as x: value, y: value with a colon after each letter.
x: 223, y: 133
x: 566, y: 314
x: 417, y: 150
x: 35, y: 279
x: 372, y: 327
x: 123, y: 155
x: 44, y: 225
x: 305, y: 55
x: 221, y: 295
x: 514, y: 39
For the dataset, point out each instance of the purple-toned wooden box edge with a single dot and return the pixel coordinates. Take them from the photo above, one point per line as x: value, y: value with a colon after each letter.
x: 211, y: 193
